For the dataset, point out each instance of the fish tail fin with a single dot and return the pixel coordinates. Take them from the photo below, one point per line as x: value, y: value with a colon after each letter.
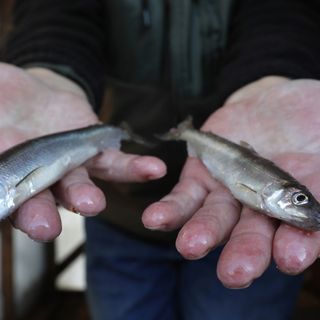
x: 115, y: 136
x: 136, y: 137
x: 175, y: 133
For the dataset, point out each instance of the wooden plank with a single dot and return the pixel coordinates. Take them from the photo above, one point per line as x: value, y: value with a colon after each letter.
x: 69, y: 259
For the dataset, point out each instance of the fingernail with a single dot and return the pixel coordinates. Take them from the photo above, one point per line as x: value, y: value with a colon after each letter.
x: 244, y: 286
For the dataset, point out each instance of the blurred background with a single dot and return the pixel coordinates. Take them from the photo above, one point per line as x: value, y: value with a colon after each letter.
x: 47, y: 281
x: 43, y: 281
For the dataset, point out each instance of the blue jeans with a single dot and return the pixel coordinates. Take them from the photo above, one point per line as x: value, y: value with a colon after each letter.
x: 132, y: 279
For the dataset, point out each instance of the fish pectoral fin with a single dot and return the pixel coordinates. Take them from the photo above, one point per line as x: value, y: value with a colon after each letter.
x: 30, y: 176
x: 191, y: 150
x: 246, y: 187
x: 247, y: 146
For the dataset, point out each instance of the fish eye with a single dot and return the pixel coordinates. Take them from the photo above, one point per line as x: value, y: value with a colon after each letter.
x: 300, y: 198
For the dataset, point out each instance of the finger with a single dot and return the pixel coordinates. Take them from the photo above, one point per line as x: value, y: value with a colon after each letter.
x: 294, y: 250
x: 248, y: 252
x: 39, y: 217
x: 173, y: 210
x: 117, y: 166
x: 210, y: 225
x: 77, y: 193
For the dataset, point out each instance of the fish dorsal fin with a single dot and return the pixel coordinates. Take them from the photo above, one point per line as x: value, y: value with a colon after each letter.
x: 29, y: 176
x: 191, y: 150
x: 247, y: 146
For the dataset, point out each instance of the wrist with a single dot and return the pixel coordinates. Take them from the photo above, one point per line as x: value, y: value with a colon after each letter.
x: 254, y: 88
x: 56, y: 81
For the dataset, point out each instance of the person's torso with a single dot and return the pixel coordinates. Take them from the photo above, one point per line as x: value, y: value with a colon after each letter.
x: 163, y: 61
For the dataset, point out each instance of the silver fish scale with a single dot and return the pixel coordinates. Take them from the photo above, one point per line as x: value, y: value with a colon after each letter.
x: 42, y: 151
x: 47, y: 159
x: 253, y: 180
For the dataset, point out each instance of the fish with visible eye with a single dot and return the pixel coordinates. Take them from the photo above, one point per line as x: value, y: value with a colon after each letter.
x: 32, y: 166
x: 255, y: 181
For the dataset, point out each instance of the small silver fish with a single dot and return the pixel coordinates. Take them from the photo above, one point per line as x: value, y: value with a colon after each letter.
x: 256, y: 182
x: 32, y: 166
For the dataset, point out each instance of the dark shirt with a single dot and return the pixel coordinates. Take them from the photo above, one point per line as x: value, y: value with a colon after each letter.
x: 278, y: 37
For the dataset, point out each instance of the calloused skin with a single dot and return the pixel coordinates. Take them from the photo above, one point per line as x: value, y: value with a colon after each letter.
x: 280, y: 119
x: 38, y: 102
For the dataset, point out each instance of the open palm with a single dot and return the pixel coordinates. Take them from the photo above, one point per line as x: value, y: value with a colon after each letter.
x: 281, y: 123
x: 39, y: 102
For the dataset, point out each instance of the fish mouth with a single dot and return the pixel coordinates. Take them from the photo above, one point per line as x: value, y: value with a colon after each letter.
x: 310, y: 223
x: 315, y: 220
x: 316, y: 223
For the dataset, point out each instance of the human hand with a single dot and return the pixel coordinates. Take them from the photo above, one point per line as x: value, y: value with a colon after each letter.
x: 286, y: 113
x: 38, y: 102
